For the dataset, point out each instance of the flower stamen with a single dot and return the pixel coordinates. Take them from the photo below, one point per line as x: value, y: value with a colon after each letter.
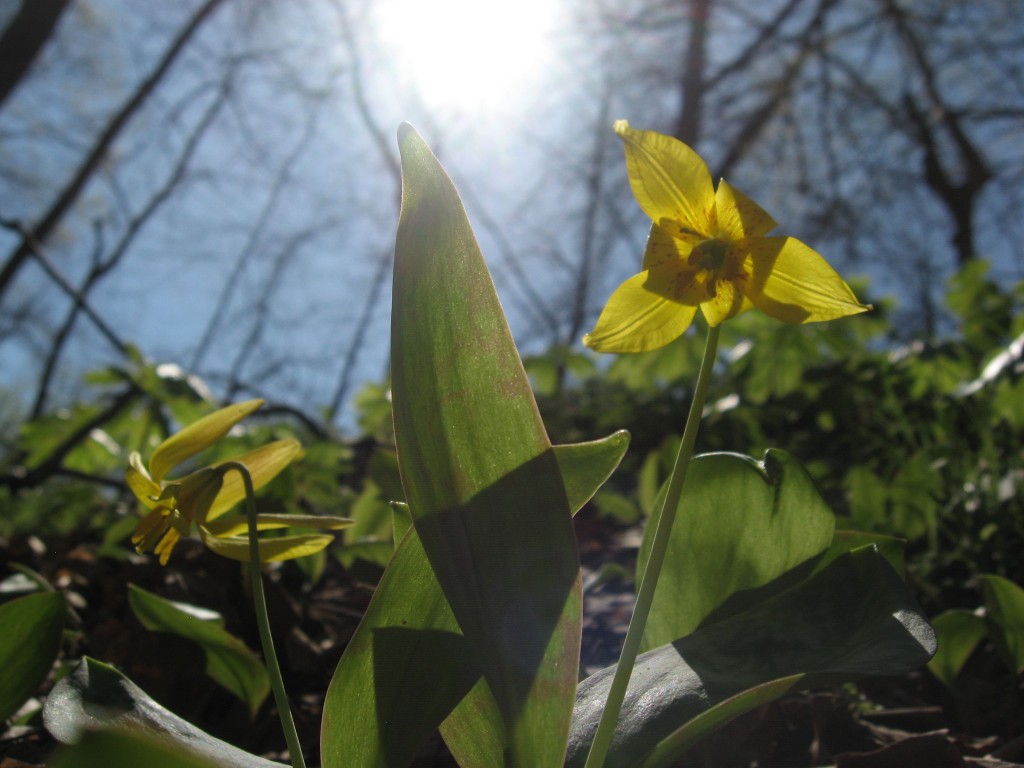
x: 709, y: 254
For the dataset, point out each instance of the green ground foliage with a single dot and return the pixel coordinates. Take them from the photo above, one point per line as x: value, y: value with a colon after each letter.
x: 918, y: 440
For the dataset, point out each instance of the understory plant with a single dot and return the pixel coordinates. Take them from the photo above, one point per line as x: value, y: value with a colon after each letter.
x: 474, y: 628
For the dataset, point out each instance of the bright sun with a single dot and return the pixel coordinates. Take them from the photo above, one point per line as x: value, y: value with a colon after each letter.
x: 468, y: 55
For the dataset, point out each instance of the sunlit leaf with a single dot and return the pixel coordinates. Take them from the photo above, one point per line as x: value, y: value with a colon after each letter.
x: 403, y: 671
x: 471, y: 732
x: 741, y: 524
x: 479, y: 473
x: 407, y: 666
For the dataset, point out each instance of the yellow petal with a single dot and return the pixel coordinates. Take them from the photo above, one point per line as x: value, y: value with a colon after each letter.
x: 150, y: 529
x: 636, y: 319
x: 793, y: 283
x: 140, y: 483
x: 195, y: 494
x: 670, y: 181
x: 666, y: 248
x: 728, y: 301
x: 271, y: 550
x: 237, y: 525
x: 197, y: 437
x: 264, y: 464
x: 737, y: 216
x: 669, y: 271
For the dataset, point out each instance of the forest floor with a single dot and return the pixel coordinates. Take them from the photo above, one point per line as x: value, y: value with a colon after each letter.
x: 877, y: 723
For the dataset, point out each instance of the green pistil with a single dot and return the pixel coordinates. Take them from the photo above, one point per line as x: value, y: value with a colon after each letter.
x: 709, y: 254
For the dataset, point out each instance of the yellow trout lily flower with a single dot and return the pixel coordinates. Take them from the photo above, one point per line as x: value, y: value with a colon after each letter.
x: 707, y: 249
x: 202, y: 497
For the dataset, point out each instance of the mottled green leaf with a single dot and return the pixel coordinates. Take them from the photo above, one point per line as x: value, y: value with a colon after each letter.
x: 407, y: 665
x: 479, y: 473
x: 472, y: 730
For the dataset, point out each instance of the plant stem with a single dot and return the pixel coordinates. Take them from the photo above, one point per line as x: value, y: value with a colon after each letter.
x: 263, y: 620
x: 649, y: 579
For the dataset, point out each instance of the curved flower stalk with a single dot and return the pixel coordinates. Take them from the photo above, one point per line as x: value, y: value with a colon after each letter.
x: 205, y: 495
x: 707, y: 249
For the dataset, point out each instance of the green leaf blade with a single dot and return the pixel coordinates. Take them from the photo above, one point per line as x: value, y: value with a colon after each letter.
x: 853, y: 618
x: 124, y: 749
x: 401, y: 674
x: 740, y: 525
x: 959, y: 633
x: 96, y: 696
x: 1004, y: 611
x: 29, y: 643
x: 479, y: 473
x: 229, y: 662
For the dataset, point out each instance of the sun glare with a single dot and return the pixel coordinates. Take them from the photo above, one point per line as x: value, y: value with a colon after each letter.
x: 468, y: 55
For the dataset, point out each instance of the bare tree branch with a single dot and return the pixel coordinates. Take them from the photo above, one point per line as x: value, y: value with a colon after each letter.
x: 35, y: 250
x: 246, y: 253
x: 69, y: 195
x: 101, y: 266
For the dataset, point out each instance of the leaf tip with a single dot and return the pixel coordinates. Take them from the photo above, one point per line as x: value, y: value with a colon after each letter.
x: 404, y: 131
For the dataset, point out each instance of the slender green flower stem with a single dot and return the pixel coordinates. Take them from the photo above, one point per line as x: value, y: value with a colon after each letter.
x: 263, y: 620
x: 649, y: 580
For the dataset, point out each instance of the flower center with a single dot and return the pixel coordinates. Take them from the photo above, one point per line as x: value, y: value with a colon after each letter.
x: 709, y: 254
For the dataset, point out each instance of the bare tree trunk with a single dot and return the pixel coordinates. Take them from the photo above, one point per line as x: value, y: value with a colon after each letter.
x: 959, y: 192
x: 694, y: 65
x: 69, y: 195
x: 23, y: 39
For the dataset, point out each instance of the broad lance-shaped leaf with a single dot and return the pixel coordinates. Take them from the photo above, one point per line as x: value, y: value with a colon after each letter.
x: 408, y: 666
x: 228, y: 661
x: 478, y: 470
x: 741, y: 524
x: 95, y: 695
x: 32, y: 628
x: 854, y: 617
x: 471, y: 730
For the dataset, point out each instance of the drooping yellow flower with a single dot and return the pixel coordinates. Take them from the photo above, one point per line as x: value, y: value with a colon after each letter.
x: 202, y: 497
x: 707, y: 249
